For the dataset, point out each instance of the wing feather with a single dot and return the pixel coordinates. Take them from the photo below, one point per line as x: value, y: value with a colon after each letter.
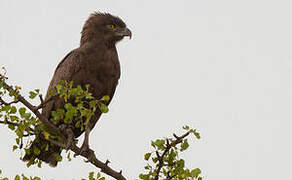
x: 65, y: 70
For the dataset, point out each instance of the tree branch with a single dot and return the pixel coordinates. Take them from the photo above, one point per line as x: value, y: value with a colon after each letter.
x: 44, y: 103
x: 44, y: 120
x: 89, y: 155
x: 15, y: 124
x: 168, y: 147
x: 6, y: 103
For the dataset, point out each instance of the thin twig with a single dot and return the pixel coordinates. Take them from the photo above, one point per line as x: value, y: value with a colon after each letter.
x: 6, y: 103
x: 169, y: 177
x: 168, y: 147
x: 41, y: 98
x: 44, y: 103
x: 16, y: 124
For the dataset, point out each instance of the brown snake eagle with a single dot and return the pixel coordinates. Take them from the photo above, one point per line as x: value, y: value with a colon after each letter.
x: 94, y: 62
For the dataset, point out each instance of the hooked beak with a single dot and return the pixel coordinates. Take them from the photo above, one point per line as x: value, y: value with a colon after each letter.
x: 125, y: 32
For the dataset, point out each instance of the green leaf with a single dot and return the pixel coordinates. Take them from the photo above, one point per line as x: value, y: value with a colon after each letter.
x: 17, y: 140
x: 197, y: 135
x: 60, y: 89
x: 98, y: 175
x: 69, y: 157
x: 46, y: 135
x: 105, y: 98
x: 26, y: 115
x: 11, y: 126
x: 47, y: 147
x: 186, y: 127
x: 13, y: 118
x: 184, y: 145
x: 68, y: 117
x: 91, y: 176
x: 17, y: 177
x: 19, y: 131
x: 36, y: 150
x: 36, y: 178
x: 76, y: 91
x: 171, y: 156
x: 92, y: 104
x: 24, y: 177
x: 71, y: 109
x: 32, y: 95
x: 195, y: 172
x: 144, y: 176
x: 58, y: 157
x: 5, y: 108
x: 14, y: 148
x: 180, y: 164
x: 147, y: 156
x: 39, y: 164
x: 78, y: 124
x: 147, y: 167
x: 27, y: 151
x: 52, y: 92
x: 13, y: 110
x: 21, y: 111
x: 0, y: 171
x: 103, y: 178
x: 159, y: 143
x: 103, y: 108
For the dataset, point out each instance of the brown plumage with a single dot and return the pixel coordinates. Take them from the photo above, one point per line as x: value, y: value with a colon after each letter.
x: 96, y: 63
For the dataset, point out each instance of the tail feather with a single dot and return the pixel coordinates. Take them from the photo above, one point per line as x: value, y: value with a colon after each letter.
x: 43, y: 150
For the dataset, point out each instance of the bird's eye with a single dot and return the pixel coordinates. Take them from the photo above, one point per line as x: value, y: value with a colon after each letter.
x: 111, y: 26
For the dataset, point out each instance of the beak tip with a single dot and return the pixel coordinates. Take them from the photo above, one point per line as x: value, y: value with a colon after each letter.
x: 130, y: 33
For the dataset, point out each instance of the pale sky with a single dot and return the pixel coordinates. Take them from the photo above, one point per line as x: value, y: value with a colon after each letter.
x: 223, y: 67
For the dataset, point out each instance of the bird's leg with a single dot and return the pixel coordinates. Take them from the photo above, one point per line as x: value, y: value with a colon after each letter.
x: 85, y: 144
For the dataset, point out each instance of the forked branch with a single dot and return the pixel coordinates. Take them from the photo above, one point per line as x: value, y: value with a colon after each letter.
x: 178, y: 139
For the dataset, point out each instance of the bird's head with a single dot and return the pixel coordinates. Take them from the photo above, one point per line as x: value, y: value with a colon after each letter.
x: 104, y: 27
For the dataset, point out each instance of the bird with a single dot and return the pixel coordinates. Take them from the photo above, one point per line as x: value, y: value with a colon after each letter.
x: 94, y: 62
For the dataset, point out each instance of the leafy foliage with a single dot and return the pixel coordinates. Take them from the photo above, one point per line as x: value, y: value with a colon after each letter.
x: 20, y: 177
x: 24, y: 123
x: 96, y: 177
x: 163, y: 162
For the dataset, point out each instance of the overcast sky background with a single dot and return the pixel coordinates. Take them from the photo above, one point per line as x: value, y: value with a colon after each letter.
x: 223, y: 67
